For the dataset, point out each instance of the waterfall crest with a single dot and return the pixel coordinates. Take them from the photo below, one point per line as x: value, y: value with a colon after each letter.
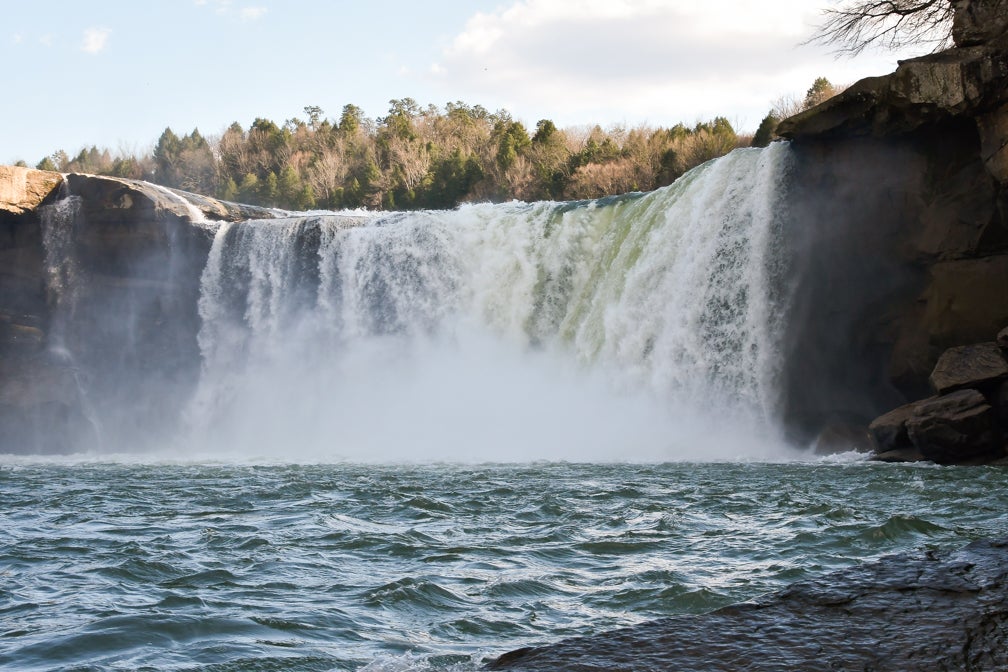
x: 508, y: 314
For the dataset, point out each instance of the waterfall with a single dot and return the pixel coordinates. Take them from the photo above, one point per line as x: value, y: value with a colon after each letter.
x: 58, y: 222
x: 626, y: 317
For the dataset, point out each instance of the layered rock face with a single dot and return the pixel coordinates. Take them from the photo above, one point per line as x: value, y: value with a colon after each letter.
x: 910, y: 171
x: 99, y: 289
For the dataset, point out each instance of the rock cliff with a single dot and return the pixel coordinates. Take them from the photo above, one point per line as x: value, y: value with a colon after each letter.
x: 917, y: 259
x: 99, y: 288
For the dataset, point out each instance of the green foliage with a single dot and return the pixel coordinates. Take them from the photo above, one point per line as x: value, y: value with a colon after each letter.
x: 351, y: 120
x: 184, y: 163
x: 453, y: 177
x: 414, y: 157
x: 248, y: 190
x: 512, y: 140
x: 820, y: 91
x: 546, y: 131
x: 47, y: 164
x: 228, y: 190
x: 765, y: 133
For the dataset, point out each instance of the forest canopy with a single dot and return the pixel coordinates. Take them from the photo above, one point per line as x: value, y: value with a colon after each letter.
x: 415, y: 157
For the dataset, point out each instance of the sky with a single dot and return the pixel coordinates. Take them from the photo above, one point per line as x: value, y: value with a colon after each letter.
x: 116, y: 73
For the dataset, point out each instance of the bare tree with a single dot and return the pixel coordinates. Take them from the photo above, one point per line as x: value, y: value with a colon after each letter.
x: 410, y: 158
x: 329, y: 172
x: 891, y: 24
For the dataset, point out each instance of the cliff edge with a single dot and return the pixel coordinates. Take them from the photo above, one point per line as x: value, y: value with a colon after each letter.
x: 916, y: 262
x: 99, y: 289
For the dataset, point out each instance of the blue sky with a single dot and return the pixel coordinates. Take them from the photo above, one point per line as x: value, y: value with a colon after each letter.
x: 115, y: 73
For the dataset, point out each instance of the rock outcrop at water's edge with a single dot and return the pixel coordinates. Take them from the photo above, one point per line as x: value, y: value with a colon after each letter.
x: 107, y: 269
x: 916, y: 262
x: 904, y: 613
x: 965, y: 423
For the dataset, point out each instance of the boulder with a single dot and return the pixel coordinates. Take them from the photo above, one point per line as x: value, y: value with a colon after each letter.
x: 889, y: 431
x: 969, y: 366
x: 1002, y: 339
x: 23, y: 189
x: 954, y: 429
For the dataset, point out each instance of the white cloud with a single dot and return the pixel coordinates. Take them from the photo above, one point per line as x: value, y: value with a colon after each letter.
x: 17, y: 38
x: 661, y: 61
x: 95, y: 40
x: 252, y: 13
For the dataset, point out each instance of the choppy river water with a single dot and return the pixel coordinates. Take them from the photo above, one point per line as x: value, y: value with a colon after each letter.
x: 185, y: 566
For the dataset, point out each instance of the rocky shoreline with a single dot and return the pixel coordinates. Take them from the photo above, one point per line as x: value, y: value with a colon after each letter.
x: 903, y: 613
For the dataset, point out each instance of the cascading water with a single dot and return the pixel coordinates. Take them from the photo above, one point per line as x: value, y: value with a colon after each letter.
x: 63, y: 279
x: 612, y: 329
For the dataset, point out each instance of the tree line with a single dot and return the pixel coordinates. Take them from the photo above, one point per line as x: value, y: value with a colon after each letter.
x: 423, y: 157
x: 414, y: 157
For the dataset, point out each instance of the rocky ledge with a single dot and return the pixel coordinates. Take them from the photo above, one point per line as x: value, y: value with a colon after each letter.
x: 905, y: 613
x: 970, y: 80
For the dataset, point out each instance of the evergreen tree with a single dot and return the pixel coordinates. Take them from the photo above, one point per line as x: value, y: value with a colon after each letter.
x: 820, y: 91
x: 765, y: 133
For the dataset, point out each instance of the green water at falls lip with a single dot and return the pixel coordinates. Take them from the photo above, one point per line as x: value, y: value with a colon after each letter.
x: 286, y: 566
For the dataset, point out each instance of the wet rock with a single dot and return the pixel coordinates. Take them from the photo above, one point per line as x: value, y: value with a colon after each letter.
x: 954, y: 428
x: 40, y: 406
x: 906, y: 613
x: 969, y: 366
x: 889, y: 431
x: 899, y: 455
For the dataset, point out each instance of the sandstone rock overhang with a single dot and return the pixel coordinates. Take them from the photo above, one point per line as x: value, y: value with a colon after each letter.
x: 24, y: 189
x: 969, y: 80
